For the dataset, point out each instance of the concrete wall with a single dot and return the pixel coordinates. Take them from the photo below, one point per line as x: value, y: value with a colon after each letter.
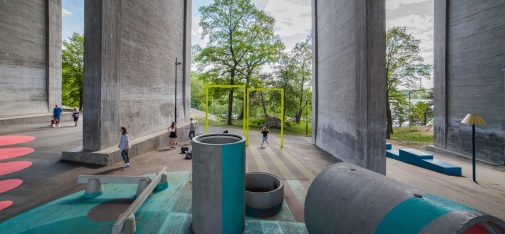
x: 30, y: 57
x: 469, y: 59
x: 130, y: 52
x: 350, y: 81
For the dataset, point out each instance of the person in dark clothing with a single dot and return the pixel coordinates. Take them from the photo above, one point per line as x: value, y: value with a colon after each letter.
x: 75, y: 115
x: 265, y: 132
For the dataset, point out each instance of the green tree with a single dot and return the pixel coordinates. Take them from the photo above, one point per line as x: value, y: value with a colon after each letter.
x: 303, y: 56
x: 405, y: 66
x: 241, y: 41
x: 399, y: 106
x: 72, y: 71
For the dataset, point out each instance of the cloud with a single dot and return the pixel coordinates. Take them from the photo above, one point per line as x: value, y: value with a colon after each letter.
x: 394, y: 4
x: 65, y: 12
x: 293, y: 19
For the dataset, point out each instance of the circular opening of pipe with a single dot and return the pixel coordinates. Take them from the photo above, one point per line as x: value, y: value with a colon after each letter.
x: 264, y: 194
x: 259, y: 182
x: 353, y: 169
x: 218, y: 139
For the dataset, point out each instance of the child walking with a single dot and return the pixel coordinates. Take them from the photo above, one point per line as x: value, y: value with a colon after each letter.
x: 124, y: 145
x: 265, y: 132
x: 173, y: 134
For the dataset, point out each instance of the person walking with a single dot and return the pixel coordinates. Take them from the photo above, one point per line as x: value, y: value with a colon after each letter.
x: 265, y: 133
x: 57, y: 113
x: 75, y: 115
x: 124, y: 145
x: 191, y: 129
x: 173, y: 134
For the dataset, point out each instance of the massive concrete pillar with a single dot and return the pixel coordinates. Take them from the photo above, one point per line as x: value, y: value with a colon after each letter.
x: 349, y: 76
x: 130, y: 51
x: 30, y: 57
x: 469, y: 77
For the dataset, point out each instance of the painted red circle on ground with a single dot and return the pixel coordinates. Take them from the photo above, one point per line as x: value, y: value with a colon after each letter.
x: 12, y: 140
x: 6, y: 185
x: 10, y: 167
x: 14, y: 152
x: 5, y: 204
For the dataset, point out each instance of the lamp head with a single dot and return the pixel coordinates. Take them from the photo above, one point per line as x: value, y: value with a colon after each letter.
x: 473, y: 119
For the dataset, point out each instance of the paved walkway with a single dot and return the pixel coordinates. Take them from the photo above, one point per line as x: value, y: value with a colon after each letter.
x: 49, y: 184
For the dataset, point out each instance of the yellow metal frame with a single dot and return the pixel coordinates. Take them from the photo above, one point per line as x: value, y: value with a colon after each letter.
x: 207, y: 103
x: 282, y: 111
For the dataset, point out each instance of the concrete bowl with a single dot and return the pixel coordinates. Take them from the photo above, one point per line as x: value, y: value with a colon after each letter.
x: 264, y: 194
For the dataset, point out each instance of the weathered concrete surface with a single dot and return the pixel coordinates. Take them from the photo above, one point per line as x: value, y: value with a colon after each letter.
x: 130, y: 71
x: 350, y: 81
x: 30, y: 57
x: 469, y: 59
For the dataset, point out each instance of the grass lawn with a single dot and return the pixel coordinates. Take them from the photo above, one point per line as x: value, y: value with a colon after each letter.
x: 413, y: 136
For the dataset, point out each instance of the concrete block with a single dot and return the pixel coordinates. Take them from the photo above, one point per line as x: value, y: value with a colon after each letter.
x: 392, y: 153
x: 415, y: 154
x: 389, y: 146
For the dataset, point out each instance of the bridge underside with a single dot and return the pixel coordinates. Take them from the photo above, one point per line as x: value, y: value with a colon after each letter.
x: 131, y: 48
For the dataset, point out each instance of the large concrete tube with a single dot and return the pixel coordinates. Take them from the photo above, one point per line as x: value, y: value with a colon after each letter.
x: 346, y: 198
x: 218, y: 204
x: 264, y: 194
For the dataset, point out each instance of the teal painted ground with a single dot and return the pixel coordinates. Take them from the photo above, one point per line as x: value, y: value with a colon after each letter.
x: 166, y: 211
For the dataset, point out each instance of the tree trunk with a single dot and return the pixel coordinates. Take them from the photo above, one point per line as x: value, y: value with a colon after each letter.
x: 81, y: 100
x: 263, y: 103
x: 230, y: 100
x: 389, y: 130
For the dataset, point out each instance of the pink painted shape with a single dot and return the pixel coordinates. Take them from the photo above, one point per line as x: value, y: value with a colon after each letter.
x: 6, y: 185
x: 14, y: 152
x: 12, y: 140
x: 11, y: 167
x: 5, y: 204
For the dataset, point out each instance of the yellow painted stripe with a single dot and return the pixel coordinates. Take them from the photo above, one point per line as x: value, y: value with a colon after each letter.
x: 297, y: 164
x: 262, y: 166
x: 280, y: 165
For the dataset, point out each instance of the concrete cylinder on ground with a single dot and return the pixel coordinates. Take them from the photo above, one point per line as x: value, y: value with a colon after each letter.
x: 345, y: 198
x: 218, y: 203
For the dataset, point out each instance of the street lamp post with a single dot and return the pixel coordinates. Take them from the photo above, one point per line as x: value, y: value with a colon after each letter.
x: 306, y: 116
x: 175, y: 99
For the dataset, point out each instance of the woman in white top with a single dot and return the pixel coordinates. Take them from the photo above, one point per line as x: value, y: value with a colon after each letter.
x: 124, y: 145
x: 173, y: 135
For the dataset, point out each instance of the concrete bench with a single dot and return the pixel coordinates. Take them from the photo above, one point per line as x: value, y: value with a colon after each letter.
x: 441, y: 166
x: 392, y: 153
x: 94, y: 183
x: 424, y: 160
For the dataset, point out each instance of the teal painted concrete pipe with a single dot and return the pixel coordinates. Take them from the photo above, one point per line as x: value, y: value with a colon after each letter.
x: 218, y: 204
x: 345, y: 198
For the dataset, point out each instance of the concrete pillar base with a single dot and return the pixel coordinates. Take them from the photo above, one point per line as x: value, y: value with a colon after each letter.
x: 93, y: 188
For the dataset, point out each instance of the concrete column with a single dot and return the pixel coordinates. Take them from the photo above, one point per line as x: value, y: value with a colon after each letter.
x: 101, y: 74
x: 349, y: 72
x: 53, y: 53
x: 186, y: 63
x: 440, y: 73
x: 315, y: 54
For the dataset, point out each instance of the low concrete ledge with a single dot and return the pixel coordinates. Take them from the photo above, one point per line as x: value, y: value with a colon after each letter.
x: 435, y: 149
x: 111, y: 155
x: 27, y: 119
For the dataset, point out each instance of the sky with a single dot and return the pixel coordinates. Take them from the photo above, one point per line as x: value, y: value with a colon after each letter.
x: 293, y: 21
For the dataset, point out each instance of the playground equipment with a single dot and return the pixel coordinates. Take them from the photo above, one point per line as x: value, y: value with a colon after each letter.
x: 207, y: 103
x: 282, y: 111
x: 345, y: 198
x: 126, y: 221
x: 218, y: 183
x: 264, y: 194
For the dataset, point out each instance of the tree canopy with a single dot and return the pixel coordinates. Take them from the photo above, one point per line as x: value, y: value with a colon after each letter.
x: 72, y: 71
x: 241, y: 41
x: 405, y: 67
